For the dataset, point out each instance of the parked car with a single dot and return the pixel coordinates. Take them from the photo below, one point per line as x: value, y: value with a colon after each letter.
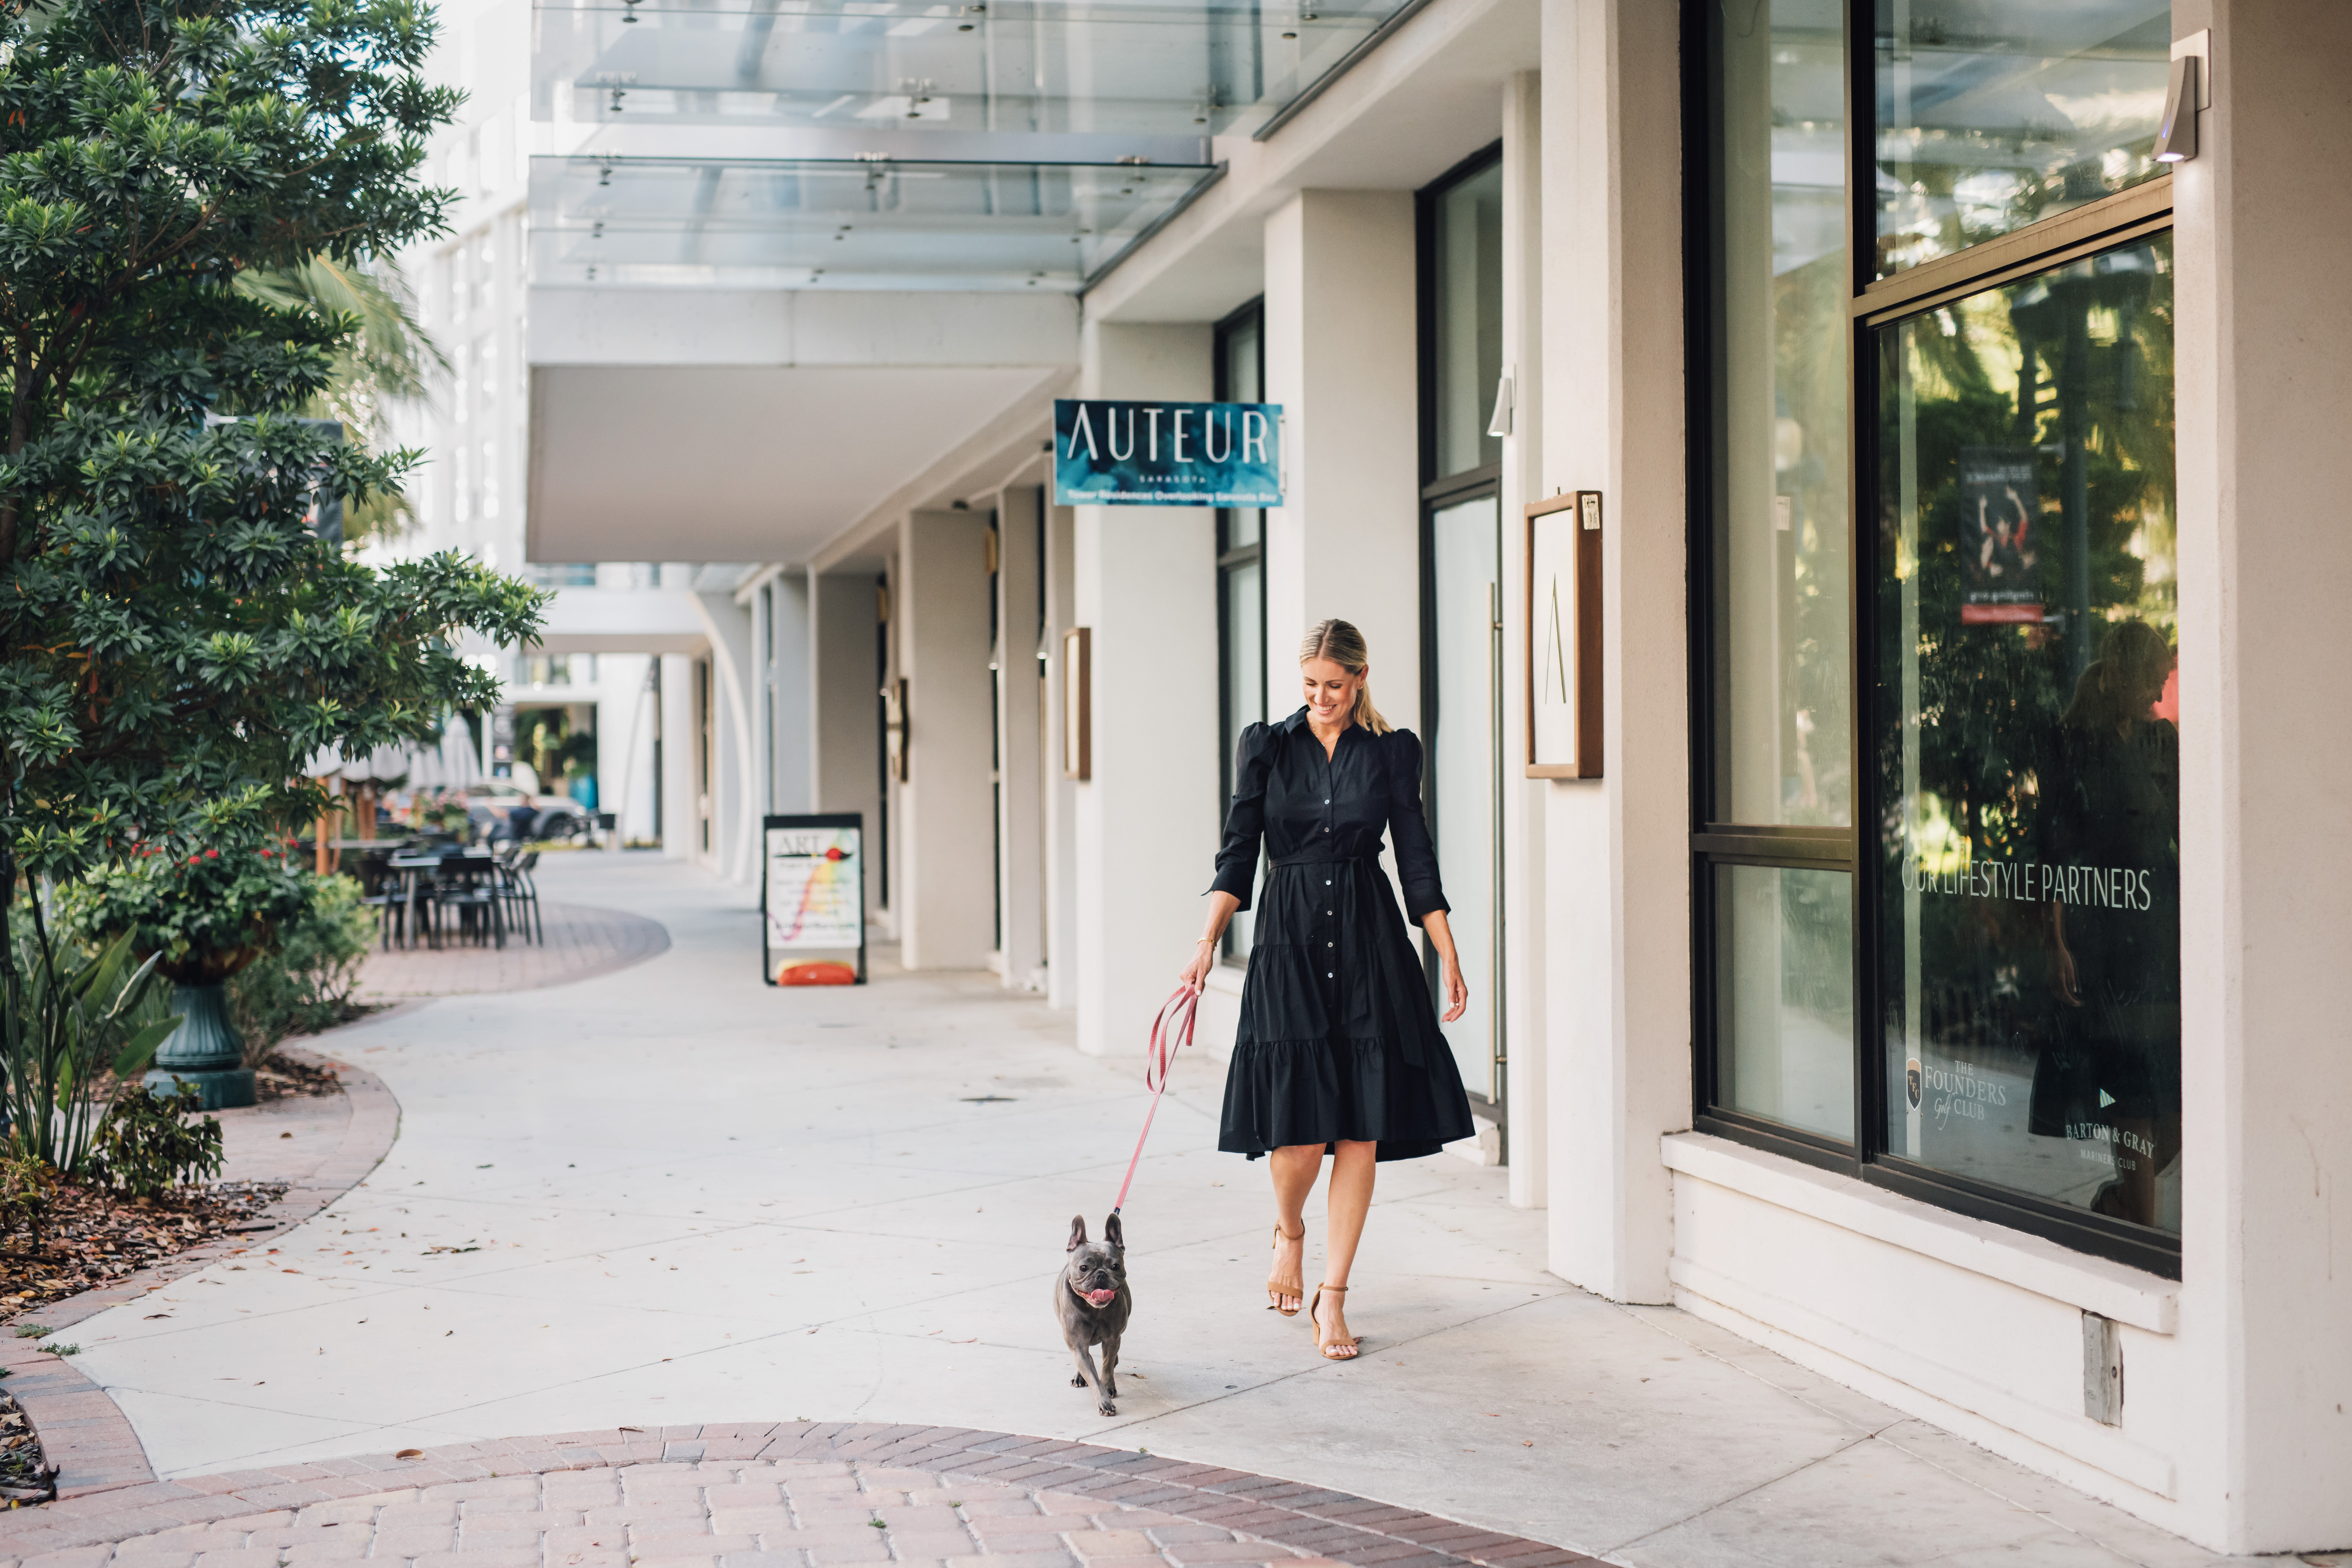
x: 490, y: 803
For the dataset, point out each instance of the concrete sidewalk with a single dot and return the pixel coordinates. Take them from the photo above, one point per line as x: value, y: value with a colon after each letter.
x: 864, y: 1193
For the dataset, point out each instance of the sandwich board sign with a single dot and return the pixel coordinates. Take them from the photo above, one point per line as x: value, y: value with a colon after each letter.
x: 812, y: 900
x: 1109, y: 452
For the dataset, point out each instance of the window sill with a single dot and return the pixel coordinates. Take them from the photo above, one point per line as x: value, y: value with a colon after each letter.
x: 1225, y: 977
x: 2114, y: 1290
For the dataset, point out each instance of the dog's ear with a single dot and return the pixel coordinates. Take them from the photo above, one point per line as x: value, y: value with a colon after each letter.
x: 1113, y: 1233
x: 1077, y: 1233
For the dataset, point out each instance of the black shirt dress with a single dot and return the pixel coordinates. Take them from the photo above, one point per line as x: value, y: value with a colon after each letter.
x: 1339, y: 1036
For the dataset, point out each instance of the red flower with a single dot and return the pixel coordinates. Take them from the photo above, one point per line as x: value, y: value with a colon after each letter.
x: 212, y: 854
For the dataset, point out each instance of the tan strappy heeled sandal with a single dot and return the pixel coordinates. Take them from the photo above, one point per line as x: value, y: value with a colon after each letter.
x: 1346, y: 1347
x: 1294, y: 1288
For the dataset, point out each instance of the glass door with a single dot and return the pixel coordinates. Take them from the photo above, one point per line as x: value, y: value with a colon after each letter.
x: 1464, y: 768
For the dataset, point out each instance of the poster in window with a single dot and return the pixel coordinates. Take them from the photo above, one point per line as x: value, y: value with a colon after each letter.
x: 812, y: 900
x: 2001, y: 555
x: 1563, y: 636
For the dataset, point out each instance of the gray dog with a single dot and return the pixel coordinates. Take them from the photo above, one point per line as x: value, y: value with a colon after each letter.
x: 1092, y: 1303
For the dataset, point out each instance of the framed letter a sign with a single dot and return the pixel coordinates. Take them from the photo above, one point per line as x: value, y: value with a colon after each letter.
x: 1563, y: 636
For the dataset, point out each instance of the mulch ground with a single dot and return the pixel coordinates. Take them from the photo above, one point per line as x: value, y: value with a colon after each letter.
x: 283, y: 1078
x: 24, y: 1478
x: 92, y: 1237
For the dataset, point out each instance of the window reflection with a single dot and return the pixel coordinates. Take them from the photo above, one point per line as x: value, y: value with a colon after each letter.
x: 2026, y: 736
x: 1784, y: 1023
x: 1783, y: 729
x: 1467, y: 321
x: 1993, y: 114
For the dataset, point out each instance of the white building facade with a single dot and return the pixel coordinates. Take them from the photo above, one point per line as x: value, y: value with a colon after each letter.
x: 1932, y: 976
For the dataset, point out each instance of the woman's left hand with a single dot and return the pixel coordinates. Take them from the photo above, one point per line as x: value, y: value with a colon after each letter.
x: 1456, y: 993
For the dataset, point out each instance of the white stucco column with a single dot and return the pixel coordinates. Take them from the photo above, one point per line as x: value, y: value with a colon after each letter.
x: 1526, y: 1109
x: 845, y: 769
x: 734, y: 764
x: 1616, y: 849
x: 946, y: 827
x: 2264, y: 365
x: 1019, y: 749
x: 681, y: 816
x: 1061, y: 832
x: 1341, y: 358
x: 1145, y: 586
x: 786, y: 653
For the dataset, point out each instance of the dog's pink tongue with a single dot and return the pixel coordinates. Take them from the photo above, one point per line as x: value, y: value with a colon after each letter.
x: 1101, y: 1298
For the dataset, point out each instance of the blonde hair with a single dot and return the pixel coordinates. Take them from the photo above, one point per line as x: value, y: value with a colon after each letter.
x: 1344, y: 646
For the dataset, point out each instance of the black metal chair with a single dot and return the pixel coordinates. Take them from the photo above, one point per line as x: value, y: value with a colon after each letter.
x: 381, y: 890
x: 521, y: 893
x: 469, y: 885
x: 417, y: 877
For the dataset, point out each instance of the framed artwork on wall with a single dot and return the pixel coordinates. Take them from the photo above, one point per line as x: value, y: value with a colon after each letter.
x: 1563, y: 636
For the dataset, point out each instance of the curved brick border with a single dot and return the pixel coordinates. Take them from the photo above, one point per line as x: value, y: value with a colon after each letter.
x: 82, y: 1432
x: 710, y: 1496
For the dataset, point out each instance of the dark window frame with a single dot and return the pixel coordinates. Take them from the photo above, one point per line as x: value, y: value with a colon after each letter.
x: 1231, y: 556
x: 1873, y: 303
x: 1438, y: 492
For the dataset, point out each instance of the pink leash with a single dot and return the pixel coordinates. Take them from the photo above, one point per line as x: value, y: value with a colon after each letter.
x: 1176, y: 1012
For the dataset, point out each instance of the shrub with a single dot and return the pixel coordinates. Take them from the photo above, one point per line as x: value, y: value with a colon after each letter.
x: 305, y: 984
x: 151, y: 1142
x: 75, y: 1023
x: 209, y: 905
x: 24, y: 1184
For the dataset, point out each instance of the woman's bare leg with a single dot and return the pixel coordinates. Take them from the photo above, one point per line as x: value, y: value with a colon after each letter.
x: 1350, y: 1199
x: 1293, y: 1170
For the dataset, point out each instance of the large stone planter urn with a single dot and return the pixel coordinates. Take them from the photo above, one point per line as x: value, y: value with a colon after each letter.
x: 205, y: 1051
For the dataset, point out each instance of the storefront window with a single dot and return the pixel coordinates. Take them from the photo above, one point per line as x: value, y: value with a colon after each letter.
x: 1784, y: 949
x: 2027, y: 717
x: 1240, y: 583
x: 1461, y: 247
x: 1993, y: 114
x: 1935, y: 745
x: 1780, y: 668
x: 1466, y: 321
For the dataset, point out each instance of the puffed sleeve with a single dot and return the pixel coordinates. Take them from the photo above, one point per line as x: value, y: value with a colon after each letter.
x: 1245, y: 818
x: 1416, y: 856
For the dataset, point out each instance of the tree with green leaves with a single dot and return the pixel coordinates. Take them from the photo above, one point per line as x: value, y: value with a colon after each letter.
x: 388, y: 361
x: 175, y: 642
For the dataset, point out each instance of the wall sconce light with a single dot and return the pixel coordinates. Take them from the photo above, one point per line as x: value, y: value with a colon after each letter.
x: 2175, y: 134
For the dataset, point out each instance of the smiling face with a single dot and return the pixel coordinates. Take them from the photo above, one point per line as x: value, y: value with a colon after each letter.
x: 1331, y: 690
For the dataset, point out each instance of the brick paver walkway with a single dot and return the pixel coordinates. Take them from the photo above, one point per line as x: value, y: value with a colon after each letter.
x: 580, y: 942
x: 799, y: 1495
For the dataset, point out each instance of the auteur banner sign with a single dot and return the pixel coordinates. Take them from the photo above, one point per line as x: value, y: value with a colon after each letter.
x: 1116, y: 454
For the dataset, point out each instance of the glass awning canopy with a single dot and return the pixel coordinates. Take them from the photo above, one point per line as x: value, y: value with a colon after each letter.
x: 1116, y: 67
x: 969, y: 144
x: 865, y: 223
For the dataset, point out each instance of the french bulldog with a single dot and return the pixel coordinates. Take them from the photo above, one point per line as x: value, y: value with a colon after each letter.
x: 1091, y: 1303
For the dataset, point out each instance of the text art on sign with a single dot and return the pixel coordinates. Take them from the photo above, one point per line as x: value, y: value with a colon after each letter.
x: 1112, y: 452
x: 815, y: 897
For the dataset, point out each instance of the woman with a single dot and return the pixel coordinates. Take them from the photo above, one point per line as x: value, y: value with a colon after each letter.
x: 2110, y: 799
x: 1339, y: 1048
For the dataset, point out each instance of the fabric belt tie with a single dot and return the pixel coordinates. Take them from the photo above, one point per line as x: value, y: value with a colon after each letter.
x: 1403, y: 1004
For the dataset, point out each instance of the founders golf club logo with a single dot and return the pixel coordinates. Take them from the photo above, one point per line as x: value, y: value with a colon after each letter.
x: 1911, y: 1083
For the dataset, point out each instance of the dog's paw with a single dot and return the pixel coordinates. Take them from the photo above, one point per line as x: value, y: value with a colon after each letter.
x: 1078, y: 1383
x: 1110, y: 1390
x: 1108, y: 1408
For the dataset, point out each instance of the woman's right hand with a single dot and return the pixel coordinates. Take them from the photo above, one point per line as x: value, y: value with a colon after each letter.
x: 1196, y: 973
